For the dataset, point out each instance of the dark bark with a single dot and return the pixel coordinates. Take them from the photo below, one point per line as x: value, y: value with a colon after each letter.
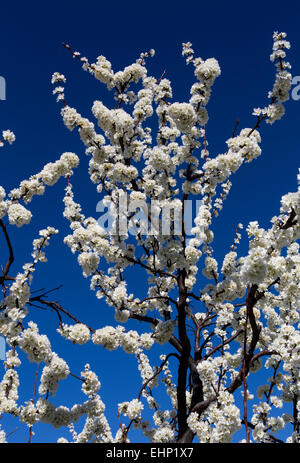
x: 184, y: 359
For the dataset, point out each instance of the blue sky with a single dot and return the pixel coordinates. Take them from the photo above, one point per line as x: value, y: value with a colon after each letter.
x: 239, y: 35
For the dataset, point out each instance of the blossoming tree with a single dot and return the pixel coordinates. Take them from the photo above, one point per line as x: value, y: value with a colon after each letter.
x: 245, y: 317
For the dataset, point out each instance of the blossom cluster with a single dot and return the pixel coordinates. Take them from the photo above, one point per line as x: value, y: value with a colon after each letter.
x: 239, y: 314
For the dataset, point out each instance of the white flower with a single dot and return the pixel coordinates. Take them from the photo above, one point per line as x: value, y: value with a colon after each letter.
x: 91, y: 383
x: 29, y: 414
x: 255, y: 266
x: 18, y: 215
x: 78, y: 333
x: 37, y: 346
x: 184, y: 116
x: 55, y: 371
x: 9, y: 136
x: 89, y: 262
x: 107, y: 337
x: 131, y: 409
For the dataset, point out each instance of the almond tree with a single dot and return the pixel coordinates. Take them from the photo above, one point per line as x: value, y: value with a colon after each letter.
x: 216, y: 333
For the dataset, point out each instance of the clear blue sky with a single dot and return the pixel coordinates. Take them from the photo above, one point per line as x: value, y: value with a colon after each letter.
x: 238, y: 34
